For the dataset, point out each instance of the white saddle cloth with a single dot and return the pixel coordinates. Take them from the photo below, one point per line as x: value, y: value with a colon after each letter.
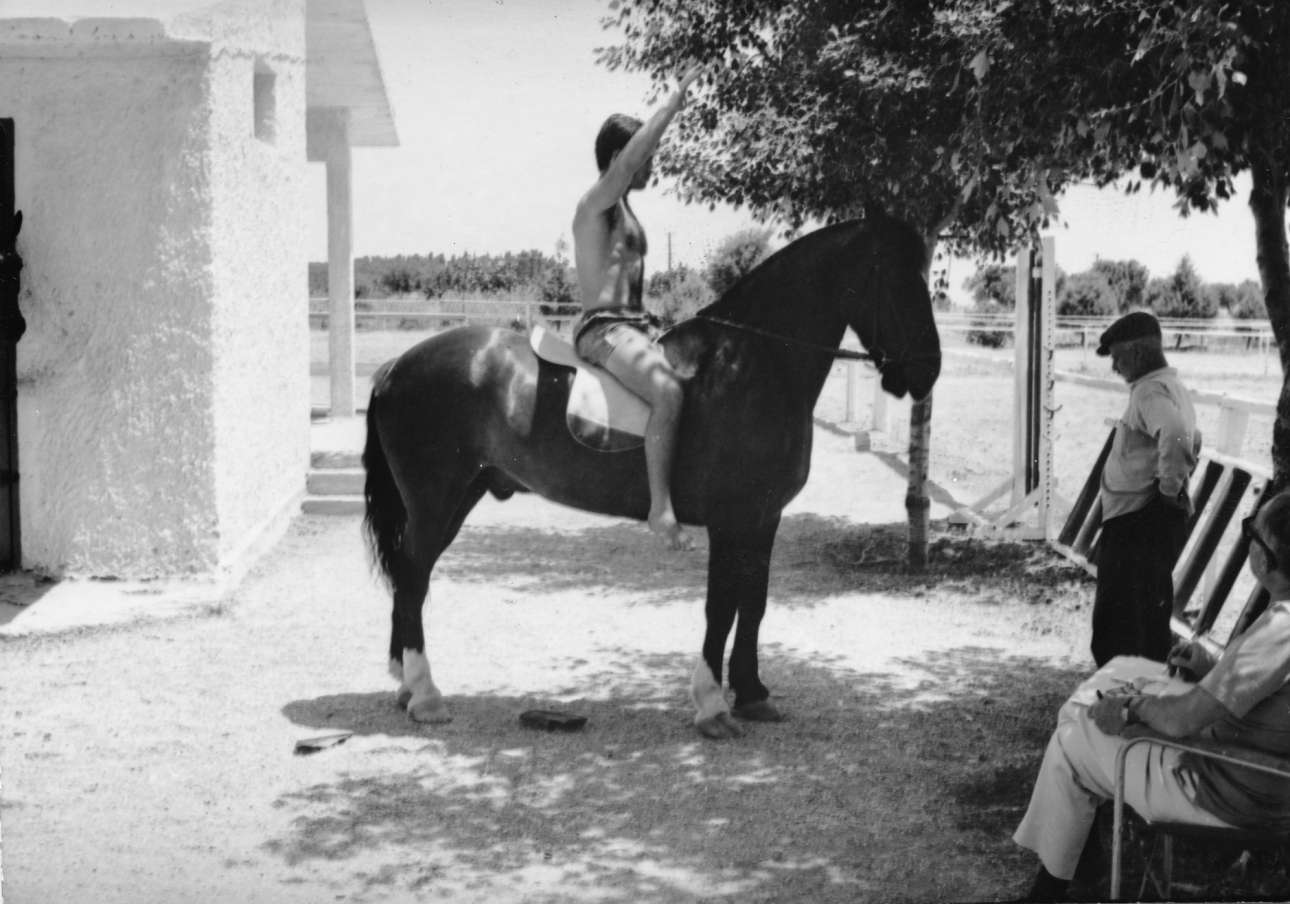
x: 602, y: 413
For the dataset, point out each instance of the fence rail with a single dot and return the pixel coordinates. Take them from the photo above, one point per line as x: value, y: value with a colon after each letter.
x: 395, y: 313
x: 1175, y: 329
x: 390, y: 313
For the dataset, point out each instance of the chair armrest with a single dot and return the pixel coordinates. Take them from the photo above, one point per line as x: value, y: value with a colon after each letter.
x: 1236, y: 754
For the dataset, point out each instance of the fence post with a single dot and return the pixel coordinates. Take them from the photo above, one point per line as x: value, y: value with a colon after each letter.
x: 851, y: 415
x: 1232, y: 424
x: 879, y: 418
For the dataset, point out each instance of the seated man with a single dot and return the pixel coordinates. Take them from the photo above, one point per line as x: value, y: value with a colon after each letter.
x: 1241, y: 698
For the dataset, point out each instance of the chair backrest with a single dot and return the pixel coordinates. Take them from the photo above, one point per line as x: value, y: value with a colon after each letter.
x: 1223, y: 489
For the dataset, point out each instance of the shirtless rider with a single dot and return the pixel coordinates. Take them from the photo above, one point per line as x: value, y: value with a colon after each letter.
x: 614, y: 331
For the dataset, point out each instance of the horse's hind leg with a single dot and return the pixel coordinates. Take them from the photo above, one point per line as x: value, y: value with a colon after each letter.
x: 431, y: 527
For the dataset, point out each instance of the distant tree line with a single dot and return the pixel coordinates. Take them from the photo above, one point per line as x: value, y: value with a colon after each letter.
x: 673, y: 294
x: 526, y: 274
x: 1116, y: 287
x: 1110, y: 288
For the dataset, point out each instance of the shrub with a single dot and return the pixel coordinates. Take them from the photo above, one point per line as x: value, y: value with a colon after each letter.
x: 1128, y: 282
x: 735, y: 256
x: 399, y: 281
x: 677, y: 294
x: 1244, y: 301
x: 1087, y: 295
x: 1180, y: 295
x: 558, y: 287
x: 985, y: 335
x: 993, y: 284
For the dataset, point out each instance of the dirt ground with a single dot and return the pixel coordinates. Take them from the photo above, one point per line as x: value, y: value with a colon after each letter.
x: 154, y: 762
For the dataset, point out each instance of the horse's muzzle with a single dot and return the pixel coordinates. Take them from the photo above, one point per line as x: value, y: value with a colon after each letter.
x: 915, y: 377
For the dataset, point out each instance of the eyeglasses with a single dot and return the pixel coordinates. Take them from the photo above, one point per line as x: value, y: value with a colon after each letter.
x: 1252, y: 535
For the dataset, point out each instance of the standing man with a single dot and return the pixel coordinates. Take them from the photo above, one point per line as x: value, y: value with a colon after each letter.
x: 1144, y: 498
x: 615, y: 331
x: 1242, y: 698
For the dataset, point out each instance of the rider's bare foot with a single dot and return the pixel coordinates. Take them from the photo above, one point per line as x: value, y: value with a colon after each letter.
x: 669, y: 530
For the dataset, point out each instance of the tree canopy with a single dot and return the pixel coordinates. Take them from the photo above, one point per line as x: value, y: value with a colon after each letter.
x: 969, y: 117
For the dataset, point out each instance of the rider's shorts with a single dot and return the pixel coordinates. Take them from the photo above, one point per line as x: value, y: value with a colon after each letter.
x: 599, y: 332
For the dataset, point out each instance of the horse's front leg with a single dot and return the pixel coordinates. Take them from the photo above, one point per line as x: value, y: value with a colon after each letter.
x: 738, y: 572
x: 751, y: 696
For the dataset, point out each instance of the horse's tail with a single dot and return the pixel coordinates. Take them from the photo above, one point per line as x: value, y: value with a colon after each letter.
x: 385, y: 516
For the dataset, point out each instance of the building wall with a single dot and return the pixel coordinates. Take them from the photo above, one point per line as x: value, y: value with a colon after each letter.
x: 163, y: 380
x: 115, y: 371
x: 260, y: 333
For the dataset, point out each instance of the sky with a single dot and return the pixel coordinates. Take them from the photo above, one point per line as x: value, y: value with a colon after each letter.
x: 497, y: 103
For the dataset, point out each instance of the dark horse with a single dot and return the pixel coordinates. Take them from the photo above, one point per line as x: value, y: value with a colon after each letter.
x: 473, y: 411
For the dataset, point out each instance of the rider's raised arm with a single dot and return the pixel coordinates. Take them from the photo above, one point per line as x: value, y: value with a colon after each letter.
x: 615, y: 181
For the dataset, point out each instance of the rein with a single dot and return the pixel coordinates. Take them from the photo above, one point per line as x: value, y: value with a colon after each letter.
x: 843, y: 353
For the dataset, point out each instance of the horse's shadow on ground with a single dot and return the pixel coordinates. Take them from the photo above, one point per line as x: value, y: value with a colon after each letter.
x: 874, y: 776
x: 814, y: 557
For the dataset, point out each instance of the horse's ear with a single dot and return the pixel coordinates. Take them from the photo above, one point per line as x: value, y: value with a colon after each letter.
x: 17, y: 226
x: 873, y: 211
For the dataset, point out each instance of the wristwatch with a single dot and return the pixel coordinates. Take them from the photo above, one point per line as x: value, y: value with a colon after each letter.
x: 1128, y: 714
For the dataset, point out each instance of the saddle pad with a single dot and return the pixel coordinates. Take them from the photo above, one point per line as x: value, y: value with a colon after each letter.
x: 602, y: 413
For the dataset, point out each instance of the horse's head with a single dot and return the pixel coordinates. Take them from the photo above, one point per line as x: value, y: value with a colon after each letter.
x: 890, y: 308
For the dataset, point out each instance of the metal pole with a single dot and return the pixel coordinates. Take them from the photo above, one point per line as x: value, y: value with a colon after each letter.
x: 1020, y: 373
x: 1044, y: 407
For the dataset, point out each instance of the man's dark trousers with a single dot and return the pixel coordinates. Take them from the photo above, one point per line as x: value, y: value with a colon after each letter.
x: 1135, y: 590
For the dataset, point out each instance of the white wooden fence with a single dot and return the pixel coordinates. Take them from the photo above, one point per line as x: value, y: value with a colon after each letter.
x: 1083, y: 331
x: 422, y: 313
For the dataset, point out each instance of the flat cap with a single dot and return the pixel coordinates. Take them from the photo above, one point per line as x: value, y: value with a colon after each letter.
x: 1138, y: 325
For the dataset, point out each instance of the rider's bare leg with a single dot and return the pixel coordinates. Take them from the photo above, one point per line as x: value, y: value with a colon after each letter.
x: 641, y: 367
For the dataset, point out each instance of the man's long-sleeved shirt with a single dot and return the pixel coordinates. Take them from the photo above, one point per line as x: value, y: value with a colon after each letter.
x: 1251, y: 680
x: 1155, y: 448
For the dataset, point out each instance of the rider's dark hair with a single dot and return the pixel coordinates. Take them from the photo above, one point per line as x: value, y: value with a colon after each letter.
x: 613, y: 137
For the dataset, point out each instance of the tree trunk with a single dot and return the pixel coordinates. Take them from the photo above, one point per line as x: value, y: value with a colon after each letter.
x: 1268, y: 204
x: 917, y: 504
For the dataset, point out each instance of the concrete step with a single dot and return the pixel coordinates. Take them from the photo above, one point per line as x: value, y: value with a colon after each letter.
x: 332, y: 505
x: 335, y: 460
x: 335, y: 482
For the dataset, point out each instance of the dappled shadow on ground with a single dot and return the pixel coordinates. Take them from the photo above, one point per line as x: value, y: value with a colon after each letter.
x: 901, y: 785
x: 814, y: 557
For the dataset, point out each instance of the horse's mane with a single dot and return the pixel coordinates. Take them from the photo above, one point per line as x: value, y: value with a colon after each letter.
x: 790, y: 268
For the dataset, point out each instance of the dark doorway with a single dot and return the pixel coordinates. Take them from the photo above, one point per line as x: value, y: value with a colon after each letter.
x: 12, y: 327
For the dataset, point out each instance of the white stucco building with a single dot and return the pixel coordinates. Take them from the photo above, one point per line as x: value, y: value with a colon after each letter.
x: 160, y: 155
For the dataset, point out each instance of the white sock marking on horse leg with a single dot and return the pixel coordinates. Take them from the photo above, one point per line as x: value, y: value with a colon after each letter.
x: 709, y: 699
x: 416, y: 676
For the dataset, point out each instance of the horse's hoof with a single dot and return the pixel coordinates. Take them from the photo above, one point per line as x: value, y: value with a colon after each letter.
x: 431, y: 712
x: 761, y: 711
x: 403, y: 699
x: 719, y: 727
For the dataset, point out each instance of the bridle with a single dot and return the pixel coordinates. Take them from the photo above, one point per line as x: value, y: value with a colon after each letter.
x: 875, y: 354
x: 877, y: 358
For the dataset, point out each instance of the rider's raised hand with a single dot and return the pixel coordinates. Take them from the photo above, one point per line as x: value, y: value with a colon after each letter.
x: 690, y: 75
